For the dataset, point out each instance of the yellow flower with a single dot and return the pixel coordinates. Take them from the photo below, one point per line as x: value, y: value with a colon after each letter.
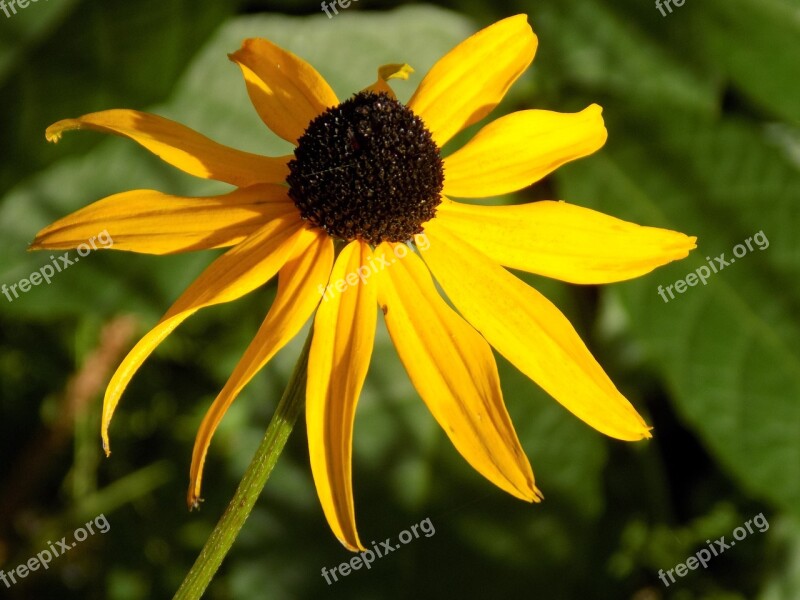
x: 367, y: 173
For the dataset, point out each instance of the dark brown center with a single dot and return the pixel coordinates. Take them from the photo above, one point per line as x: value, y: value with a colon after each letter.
x: 367, y: 169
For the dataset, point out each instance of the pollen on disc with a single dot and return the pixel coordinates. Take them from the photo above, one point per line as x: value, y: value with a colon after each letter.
x: 367, y: 169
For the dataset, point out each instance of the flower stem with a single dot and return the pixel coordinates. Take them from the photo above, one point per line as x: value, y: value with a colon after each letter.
x: 221, y: 539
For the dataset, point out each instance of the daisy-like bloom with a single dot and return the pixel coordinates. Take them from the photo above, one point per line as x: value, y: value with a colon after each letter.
x: 366, y: 178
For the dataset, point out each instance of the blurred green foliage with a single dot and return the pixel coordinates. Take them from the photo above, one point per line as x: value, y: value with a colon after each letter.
x: 703, y: 109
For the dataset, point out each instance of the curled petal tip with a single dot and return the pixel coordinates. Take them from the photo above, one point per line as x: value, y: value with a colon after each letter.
x: 53, y: 135
x: 193, y: 501
x: 356, y: 546
x: 232, y: 56
x: 56, y: 130
x: 395, y: 71
x: 532, y: 494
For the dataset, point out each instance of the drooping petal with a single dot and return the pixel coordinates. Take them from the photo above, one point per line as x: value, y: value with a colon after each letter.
x: 519, y: 149
x: 239, y: 271
x: 286, y: 91
x: 471, y: 79
x: 150, y: 222
x: 180, y: 146
x: 344, y: 332
x: 387, y: 72
x: 300, y: 284
x: 530, y: 332
x: 455, y: 373
x: 564, y: 241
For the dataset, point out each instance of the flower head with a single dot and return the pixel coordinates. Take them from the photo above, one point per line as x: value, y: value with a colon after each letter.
x: 342, y: 224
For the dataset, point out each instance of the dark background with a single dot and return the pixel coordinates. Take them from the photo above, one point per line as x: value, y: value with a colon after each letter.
x: 703, y: 109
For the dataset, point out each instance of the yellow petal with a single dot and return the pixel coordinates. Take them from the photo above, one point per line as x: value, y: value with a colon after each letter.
x: 154, y: 223
x: 344, y: 332
x: 286, y: 91
x: 300, y: 284
x: 239, y: 271
x: 470, y: 80
x: 519, y: 149
x: 180, y: 146
x: 530, y: 332
x: 454, y: 371
x: 564, y: 241
x: 387, y: 72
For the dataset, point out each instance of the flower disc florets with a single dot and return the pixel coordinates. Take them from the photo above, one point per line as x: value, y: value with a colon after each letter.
x: 367, y: 169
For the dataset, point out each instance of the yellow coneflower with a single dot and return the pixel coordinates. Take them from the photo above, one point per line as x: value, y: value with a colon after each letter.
x: 366, y: 180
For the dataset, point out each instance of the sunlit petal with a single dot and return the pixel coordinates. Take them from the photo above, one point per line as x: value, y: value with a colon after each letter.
x: 531, y: 333
x: 150, y: 222
x: 239, y: 271
x: 344, y: 332
x: 514, y: 151
x: 301, y: 282
x: 469, y: 81
x: 564, y: 241
x: 180, y: 146
x: 454, y: 371
x: 286, y: 91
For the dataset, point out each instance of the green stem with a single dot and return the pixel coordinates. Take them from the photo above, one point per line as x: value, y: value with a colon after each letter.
x: 256, y: 476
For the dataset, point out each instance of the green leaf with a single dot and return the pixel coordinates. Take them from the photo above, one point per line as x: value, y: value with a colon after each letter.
x: 729, y: 349
x: 62, y: 59
x: 757, y: 43
x: 21, y: 30
x: 594, y: 46
x: 783, y: 579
